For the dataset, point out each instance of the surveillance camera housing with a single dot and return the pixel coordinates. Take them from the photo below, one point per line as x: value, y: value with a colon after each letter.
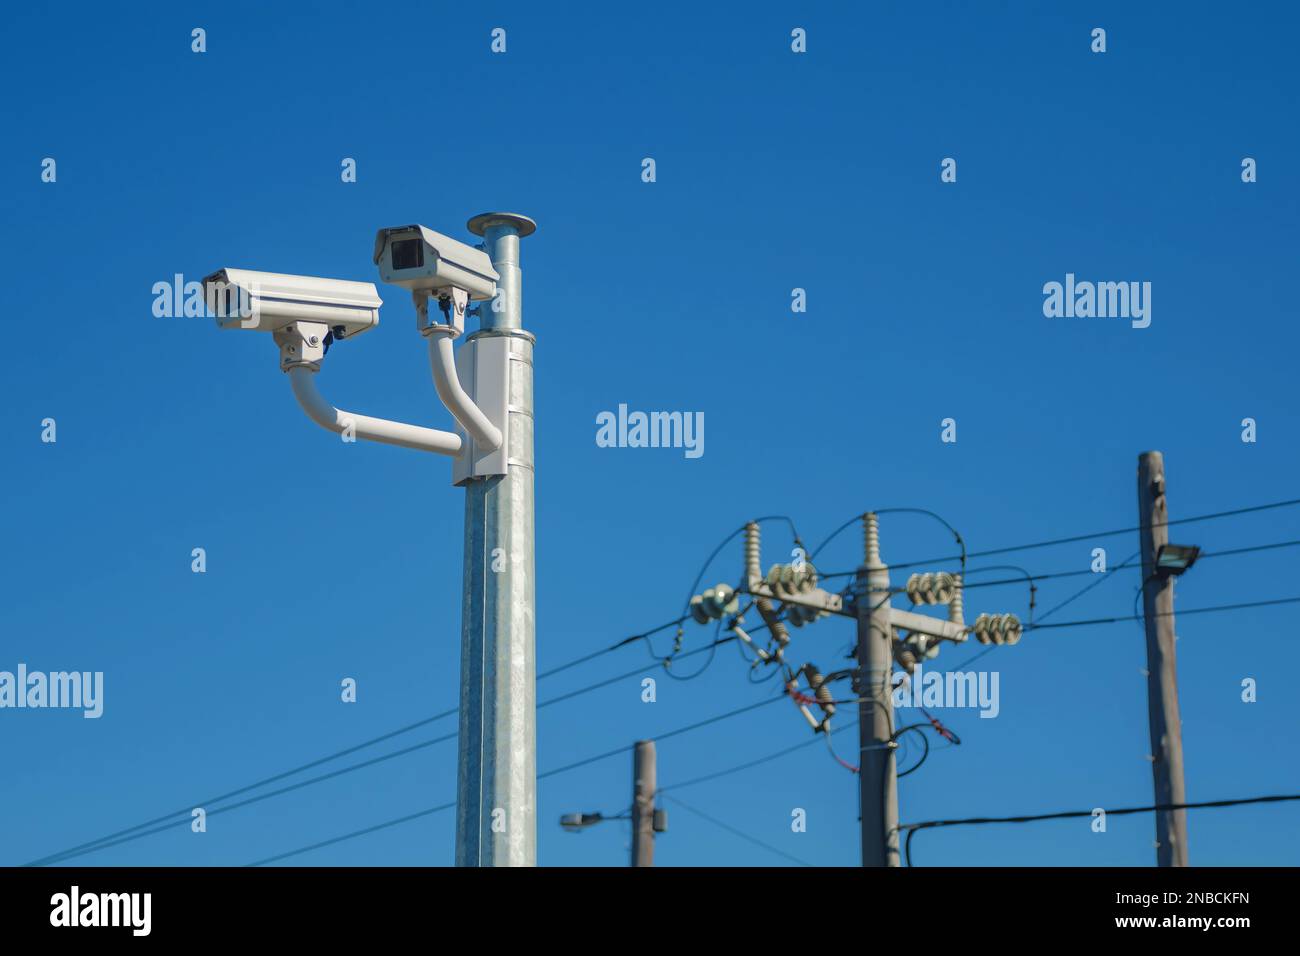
x: 419, y: 259
x: 272, y: 301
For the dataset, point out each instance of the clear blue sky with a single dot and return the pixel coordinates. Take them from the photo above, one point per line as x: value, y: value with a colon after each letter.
x: 775, y: 171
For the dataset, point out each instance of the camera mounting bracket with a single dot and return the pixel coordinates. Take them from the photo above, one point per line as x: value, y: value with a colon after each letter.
x: 303, y: 344
x: 452, y: 303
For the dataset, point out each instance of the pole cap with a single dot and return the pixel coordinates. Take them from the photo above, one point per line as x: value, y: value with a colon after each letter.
x: 523, y: 225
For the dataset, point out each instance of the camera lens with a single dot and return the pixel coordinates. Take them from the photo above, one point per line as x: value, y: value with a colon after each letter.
x: 408, y: 254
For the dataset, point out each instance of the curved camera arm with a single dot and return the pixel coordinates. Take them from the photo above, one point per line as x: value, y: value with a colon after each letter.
x: 302, y: 377
x: 487, y: 436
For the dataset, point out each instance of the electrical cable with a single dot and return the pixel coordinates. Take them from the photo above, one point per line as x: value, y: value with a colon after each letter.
x: 924, y: 753
x: 884, y: 511
x: 755, y: 762
x: 186, y: 811
x: 355, y: 833
x: 664, y: 736
x: 1204, y: 555
x: 1138, y: 592
x: 645, y: 635
x: 160, y: 824
x: 1106, y: 534
x: 695, y: 587
x: 740, y: 833
x: 712, y: 647
x: 541, y: 776
x: 1249, y: 549
x: 1033, y: 587
x: 912, y: 828
x: 104, y: 845
x: 1195, y: 610
x: 1078, y: 594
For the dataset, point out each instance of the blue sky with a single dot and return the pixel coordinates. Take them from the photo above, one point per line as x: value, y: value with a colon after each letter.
x: 774, y: 171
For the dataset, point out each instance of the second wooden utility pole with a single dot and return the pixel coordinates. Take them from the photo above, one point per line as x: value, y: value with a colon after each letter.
x: 1162, y: 672
x: 643, y: 803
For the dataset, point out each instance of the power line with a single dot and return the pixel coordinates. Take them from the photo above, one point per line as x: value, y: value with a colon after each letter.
x: 167, y: 821
x: 1092, y: 585
x: 1128, y: 563
x: 1248, y: 550
x: 1035, y: 578
x: 740, y: 833
x: 186, y: 811
x: 541, y: 776
x: 355, y: 833
x: 170, y: 820
x: 885, y: 511
x: 1039, y: 625
x: 569, y: 695
x: 110, y: 840
x: 1138, y: 617
x: 664, y: 736
x: 106, y: 843
x: 1103, y: 576
x: 1075, y: 596
x: 752, y: 763
x: 644, y: 635
x: 912, y: 828
x: 1049, y: 575
x: 713, y: 720
x: 1103, y: 534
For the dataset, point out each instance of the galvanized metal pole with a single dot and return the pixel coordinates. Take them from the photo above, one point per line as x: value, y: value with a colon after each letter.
x: 877, y: 772
x: 643, y: 803
x: 1162, y: 670
x: 496, y: 788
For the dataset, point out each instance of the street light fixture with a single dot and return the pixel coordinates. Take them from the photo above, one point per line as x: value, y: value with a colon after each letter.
x: 575, y: 822
x: 1174, y: 559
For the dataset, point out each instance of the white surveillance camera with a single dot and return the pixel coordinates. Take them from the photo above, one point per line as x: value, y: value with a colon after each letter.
x: 424, y: 261
x: 271, y: 302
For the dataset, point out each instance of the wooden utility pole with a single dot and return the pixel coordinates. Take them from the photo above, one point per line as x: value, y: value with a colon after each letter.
x: 643, y: 803
x: 1162, y: 672
x: 877, y: 773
